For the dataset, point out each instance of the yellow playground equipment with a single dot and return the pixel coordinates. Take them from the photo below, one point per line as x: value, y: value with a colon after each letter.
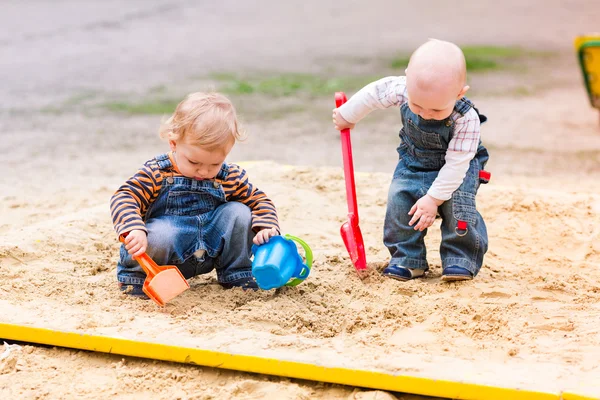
x: 588, y: 53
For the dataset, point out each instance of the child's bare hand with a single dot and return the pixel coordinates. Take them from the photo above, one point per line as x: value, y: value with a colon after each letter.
x: 424, y: 211
x: 339, y: 121
x: 263, y: 236
x: 136, y: 242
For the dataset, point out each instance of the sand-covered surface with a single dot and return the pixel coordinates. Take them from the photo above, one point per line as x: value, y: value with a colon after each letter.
x: 534, y: 304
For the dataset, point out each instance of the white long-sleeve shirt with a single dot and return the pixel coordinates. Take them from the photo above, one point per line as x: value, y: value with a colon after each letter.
x: 391, y: 91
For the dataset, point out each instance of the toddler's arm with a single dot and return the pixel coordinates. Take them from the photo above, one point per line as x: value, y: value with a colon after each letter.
x: 461, y: 150
x: 384, y: 93
x: 132, y: 199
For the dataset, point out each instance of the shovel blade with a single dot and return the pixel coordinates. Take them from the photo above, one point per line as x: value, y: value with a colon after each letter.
x: 353, y: 240
x: 166, y: 285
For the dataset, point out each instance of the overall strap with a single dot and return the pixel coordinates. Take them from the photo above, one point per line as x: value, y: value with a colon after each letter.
x: 163, y: 161
x: 222, y: 175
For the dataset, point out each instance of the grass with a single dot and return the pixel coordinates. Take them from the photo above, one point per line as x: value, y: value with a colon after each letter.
x: 400, y: 62
x: 272, y: 85
x: 485, y: 58
x: 288, y: 84
x: 147, y: 107
x: 306, y: 85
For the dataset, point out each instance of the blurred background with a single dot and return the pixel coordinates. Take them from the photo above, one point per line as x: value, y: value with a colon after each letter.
x: 88, y: 82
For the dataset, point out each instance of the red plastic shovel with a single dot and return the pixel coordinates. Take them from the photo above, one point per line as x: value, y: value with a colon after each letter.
x: 350, y: 230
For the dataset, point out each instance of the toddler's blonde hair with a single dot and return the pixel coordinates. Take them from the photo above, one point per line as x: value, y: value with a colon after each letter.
x: 204, y: 119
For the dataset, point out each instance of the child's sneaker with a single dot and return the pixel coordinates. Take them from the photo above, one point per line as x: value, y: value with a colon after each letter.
x: 133, y: 290
x: 401, y: 273
x: 455, y: 273
x: 244, y: 283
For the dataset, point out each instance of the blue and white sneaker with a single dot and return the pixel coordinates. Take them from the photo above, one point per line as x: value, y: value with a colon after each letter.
x: 401, y: 273
x: 456, y: 273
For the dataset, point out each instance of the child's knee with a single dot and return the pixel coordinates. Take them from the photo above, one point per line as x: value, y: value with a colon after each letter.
x: 399, y: 199
x: 397, y: 211
x: 240, y: 214
x: 161, y: 241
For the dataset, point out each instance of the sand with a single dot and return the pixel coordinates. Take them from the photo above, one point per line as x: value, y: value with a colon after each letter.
x: 535, y: 302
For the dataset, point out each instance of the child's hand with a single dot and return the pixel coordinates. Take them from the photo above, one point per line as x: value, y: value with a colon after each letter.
x: 136, y: 242
x: 263, y: 236
x: 424, y: 211
x: 339, y: 121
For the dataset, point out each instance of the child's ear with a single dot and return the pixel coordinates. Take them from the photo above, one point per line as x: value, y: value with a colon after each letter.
x: 462, y: 92
x: 172, y: 144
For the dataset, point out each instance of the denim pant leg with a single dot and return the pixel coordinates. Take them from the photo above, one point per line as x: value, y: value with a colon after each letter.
x: 406, y: 246
x: 229, y: 234
x: 462, y: 248
x: 168, y: 240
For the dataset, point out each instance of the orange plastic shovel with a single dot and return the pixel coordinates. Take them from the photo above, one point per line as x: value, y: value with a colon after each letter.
x: 350, y: 230
x: 163, y: 283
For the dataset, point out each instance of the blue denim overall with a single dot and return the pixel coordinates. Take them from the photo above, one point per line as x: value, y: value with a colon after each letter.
x: 189, y: 216
x: 421, y: 156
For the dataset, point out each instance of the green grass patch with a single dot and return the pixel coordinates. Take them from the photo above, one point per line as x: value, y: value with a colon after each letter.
x: 272, y: 85
x: 147, y: 107
x: 400, y: 62
x: 485, y: 58
x: 492, y: 52
x: 287, y: 84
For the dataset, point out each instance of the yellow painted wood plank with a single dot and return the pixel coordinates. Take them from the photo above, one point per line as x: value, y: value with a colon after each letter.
x: 573, y: 396
x: 270, y: 366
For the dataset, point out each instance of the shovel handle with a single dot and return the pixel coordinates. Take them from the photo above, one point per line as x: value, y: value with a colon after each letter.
x: 340, y: 98
x: 147, y: 264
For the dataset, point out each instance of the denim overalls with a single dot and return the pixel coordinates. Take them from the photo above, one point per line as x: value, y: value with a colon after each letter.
x: 422, y: 155
x: 191, y: 225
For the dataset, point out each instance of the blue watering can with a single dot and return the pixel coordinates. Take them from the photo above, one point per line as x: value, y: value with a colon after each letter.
x: 278, y: 261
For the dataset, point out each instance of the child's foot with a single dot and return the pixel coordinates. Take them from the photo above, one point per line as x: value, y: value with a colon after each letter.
x: 244, y: 283
x: 401, y: 273
x: 455, y: 273
x: 133, y: 290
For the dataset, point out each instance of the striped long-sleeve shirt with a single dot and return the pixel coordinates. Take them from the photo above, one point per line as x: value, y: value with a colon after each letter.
x: 129, y: 204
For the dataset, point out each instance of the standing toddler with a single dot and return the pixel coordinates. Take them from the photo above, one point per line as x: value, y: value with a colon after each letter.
x: 440, y: 166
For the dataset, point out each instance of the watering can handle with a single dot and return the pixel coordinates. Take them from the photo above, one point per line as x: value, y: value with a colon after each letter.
x: 309, y: 260
x: 340, y: 98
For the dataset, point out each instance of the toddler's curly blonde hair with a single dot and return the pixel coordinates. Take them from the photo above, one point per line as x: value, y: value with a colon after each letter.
x: 208, y: 120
